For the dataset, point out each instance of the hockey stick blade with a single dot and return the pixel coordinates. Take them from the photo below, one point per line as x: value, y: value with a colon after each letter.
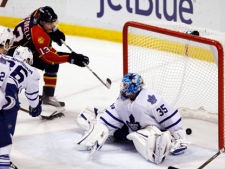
x: 54, y: 115
x: 108, y: 81
x: 171, y: 167
x: 51, y: 117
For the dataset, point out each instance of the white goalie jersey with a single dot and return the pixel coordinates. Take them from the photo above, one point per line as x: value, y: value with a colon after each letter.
x: 25, y: 77
x: 154, y: 125
x: 148, y: 109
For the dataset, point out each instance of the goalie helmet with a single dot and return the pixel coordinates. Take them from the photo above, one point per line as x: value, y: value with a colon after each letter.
x: 47, y: 14
x: 131, y: 84
x: 24, y: 54
x: 6, y: 35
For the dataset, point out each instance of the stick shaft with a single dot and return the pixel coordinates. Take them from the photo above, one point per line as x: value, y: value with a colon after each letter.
x: 25, y: 110
x: 211, y: 159
x: 87, y: 66
x: 207, y: 162
x: 95, y: 74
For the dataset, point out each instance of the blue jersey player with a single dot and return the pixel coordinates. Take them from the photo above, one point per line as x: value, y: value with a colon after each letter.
x: 15, y: 74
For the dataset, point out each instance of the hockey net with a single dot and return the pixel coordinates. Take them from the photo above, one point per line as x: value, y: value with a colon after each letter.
x: 186, y: 70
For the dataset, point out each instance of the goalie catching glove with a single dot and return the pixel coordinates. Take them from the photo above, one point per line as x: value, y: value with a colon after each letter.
x: 78, y: 59
x: 94, y: 138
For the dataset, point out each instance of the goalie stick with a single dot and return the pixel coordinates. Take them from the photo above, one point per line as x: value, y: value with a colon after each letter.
x: 207, y: 162
x: 108, y: 81
x: 54, y: 115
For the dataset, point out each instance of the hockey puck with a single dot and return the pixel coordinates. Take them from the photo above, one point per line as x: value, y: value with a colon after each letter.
x: 188, y: 131
x: 171, y: 167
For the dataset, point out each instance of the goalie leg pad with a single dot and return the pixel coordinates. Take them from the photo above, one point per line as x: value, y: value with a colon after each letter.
x: 94, y: 138
x: 86, y: 116
x: 151, y: 143
x: 140, y: 139
x: 161, y: 149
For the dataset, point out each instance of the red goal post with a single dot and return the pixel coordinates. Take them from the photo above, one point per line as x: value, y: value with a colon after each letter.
x: 187, y: 70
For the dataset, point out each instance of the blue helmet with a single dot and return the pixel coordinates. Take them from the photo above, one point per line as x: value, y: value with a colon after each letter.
x: 132, y: 83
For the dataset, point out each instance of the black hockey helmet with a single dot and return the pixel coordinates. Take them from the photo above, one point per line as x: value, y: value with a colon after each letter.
x: 47, y: 14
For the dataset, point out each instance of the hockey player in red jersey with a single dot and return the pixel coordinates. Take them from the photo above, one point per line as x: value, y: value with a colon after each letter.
x: 37, y: 32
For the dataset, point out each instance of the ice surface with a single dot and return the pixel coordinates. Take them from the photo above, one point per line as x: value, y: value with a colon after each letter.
x: 41, y: 144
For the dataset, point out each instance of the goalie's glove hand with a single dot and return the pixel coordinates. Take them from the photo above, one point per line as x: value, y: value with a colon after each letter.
x: 179, y: 143
x: 34, y: 112
x: 78, y: 59
x: 56, y: 36
x: 12, y: 106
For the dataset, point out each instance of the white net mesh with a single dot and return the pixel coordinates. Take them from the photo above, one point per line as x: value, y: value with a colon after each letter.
x: 183, y: 71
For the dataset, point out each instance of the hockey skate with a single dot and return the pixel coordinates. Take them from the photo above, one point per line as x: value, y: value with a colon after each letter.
x: 47, y: 100
x: 51, y: 104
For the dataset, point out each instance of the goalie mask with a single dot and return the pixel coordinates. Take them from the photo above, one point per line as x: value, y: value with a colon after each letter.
x: 131, y: 84
x: 24, y: 54
x: 6, y: 35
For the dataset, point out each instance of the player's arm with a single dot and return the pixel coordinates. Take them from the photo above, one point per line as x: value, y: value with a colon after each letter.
x: 48, y: 54
x: 56, y: 35
x: 32, y: 94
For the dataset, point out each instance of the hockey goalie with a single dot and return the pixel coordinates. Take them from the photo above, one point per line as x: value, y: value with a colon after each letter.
x: 139, y: 115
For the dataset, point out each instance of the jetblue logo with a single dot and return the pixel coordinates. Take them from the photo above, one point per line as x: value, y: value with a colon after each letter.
x: 182, y: 9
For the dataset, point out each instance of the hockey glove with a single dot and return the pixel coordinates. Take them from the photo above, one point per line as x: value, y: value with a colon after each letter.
x: 34, y: 112
x: 56, y: 36
x: 179, y: 143
x: 12, y: 106
x: 78, y: 59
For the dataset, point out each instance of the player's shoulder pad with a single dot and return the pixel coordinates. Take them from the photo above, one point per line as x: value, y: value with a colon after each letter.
x: 39, y: 36
x: 119, y: 102
x: 35, y: 73
x: 2, y: 60
x: 149, y: 96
